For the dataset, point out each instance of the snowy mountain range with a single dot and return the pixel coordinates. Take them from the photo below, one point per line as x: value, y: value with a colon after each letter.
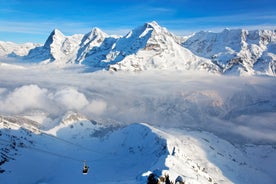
x: 152, y: 47
x: 125, y: 154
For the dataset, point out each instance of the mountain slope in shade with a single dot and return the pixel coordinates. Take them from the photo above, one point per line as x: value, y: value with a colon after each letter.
x: 241, y: 51
x: 126, y: 155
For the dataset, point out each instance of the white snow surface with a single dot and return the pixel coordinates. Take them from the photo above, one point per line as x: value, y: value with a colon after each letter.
x: 242, y: 51
x: 13, y: 49
x: 128, y: 155
x: 152, y: 47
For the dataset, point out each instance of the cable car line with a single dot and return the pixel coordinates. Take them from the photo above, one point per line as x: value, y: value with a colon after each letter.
x: 49, y: 152
x: 52, y: 153
x: 68, y: 142
x: 75, y: 144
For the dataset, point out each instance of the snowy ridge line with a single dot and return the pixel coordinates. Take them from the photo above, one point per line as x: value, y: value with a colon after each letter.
x: 68, y: 142
x: 21, y: 122
x: 198, y: 156
x: 6, y: 122
x: 152, y: 47
x: 85, y: 148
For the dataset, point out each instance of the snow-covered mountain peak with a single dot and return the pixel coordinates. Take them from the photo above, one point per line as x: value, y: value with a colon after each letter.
x: 150, y: 46
x: 96, y: 32
x: 90, y: 41
x: 74, y: 125
x: 57, y: 32
x: 153, y: 47
x: 55, y: 36
x: 58, y: 48
x: 153, y: 25
x: 156, y: 29
x: 72, y: 117
x: 146, y: 30
x: 236, y: 51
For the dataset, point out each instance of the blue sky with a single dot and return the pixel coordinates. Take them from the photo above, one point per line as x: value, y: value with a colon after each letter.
x: 33, y: 20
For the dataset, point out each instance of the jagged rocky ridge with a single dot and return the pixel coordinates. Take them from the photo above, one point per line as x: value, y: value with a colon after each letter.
x: 150, y: 46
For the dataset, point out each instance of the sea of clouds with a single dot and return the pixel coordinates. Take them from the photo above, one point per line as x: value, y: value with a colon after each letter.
x: 237, y: 108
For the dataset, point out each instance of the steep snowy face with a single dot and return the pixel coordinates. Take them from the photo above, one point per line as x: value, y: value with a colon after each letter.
x: 237, y: 51
x: 91, y: 40
x: 58, y: 48
x: 114, y: 50
x: 153, y: 47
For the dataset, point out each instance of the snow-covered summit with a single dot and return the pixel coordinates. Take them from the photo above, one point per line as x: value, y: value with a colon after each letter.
x: 240, y: 50
x: 151, y: 47
x: 57, y: 48
x: 55, y: 36
x: 89, y: 41
x: 96, y: 34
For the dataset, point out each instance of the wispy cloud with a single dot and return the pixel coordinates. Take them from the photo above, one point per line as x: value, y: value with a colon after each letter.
x: 218, y: 23
x: 160, y: 9
x: 37, y: 27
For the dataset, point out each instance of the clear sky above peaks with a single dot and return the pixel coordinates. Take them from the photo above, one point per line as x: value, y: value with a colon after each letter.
x: 33, y: 20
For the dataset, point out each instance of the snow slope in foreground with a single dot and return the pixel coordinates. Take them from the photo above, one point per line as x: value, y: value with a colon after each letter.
x: 127, y: 155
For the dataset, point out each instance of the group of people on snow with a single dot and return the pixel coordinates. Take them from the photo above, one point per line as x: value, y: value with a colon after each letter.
x: 153, y: 178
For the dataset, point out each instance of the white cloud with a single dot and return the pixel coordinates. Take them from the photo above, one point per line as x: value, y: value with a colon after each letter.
x: 96, y: 107
x: 218, y: 23
x: 24, y: 98
x: 223, y: 105
x: 44, y: 27
x: 70, y: 99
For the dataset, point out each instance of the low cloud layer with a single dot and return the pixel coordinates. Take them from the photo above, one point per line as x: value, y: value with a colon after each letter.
x: 23, y: 98
x: 32, y: 97
x: 233, y: 107
x: 70, y: 99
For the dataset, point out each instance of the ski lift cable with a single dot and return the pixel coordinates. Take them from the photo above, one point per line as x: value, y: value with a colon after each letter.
x: 53, y: 153
x: 85, y: 167
x: 75, y: 144
x: 65, y: 156
x: 66, y: 141
x: 49, y: 135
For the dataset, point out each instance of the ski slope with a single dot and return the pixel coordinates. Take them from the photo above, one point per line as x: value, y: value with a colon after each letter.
x: 128, y: 154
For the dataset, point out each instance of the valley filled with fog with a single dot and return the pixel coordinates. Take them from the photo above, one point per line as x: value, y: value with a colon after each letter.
x: 239, y: 109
